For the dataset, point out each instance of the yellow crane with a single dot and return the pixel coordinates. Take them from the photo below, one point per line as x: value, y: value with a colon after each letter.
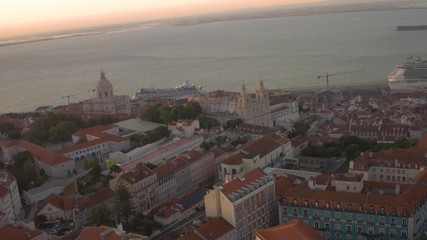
x: 335, y: 74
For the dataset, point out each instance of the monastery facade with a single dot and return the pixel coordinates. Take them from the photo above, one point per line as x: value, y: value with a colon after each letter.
x: 253, y: 109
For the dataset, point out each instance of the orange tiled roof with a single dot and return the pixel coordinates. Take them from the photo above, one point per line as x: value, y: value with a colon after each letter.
x: 91, y: 233
x: 99, y: 128
x: 295, y: 230
x: 95, y: 199
x: 42, y: 154
x: 215, y: 229
x: 408, y: 198
x: 238, y: 183
x: 281, y: 185
x: 190, y: 236
x: 15, y: 233
x: 137, y: 175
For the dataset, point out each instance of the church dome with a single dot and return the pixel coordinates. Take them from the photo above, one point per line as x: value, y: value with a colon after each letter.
x: 104, y: 88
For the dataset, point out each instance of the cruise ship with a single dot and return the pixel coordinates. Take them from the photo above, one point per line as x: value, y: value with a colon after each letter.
x: 179, y: 92
x: 409, y: 77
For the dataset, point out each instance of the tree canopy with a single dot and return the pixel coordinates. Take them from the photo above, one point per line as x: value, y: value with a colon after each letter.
x: 155, y: 135
x: 58, y: 127
x: 299, y: 128
x: 125, y: 204
x: 161, y: 113
x: 25, y: 170
x: 101, y: 216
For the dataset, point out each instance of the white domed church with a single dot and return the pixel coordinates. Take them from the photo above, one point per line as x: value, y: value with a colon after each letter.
x: 105, y: 102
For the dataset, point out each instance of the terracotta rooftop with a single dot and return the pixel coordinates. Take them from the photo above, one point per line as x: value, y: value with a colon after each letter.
x: 235, y: 159
x: 95, y: 199
x: 408, y: 198
x: 42, y: 154
x: 281, y: 185
x: 295, y: 230
x: 237, y: 183
x: 215, y: 229
x: 102, y: 138
x: 190, y: 236
x: 84, y: 132
x: 264, y: 145
x: 64, y: 203
x: 137, y: 175
x: 10, y: 232
x: 348, y: 177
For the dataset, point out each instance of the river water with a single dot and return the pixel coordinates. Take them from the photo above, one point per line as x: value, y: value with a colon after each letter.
x: 286, y: 52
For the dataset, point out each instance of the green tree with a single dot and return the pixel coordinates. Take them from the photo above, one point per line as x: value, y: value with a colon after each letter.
x: 207, y: 122
x: 233, y: 123
x: 155, y: 135
x: 101, y: 216
x: 115, y: 168
x: 352, y: 152
x: 124, y: 204
x: 150, y: 113
x: 93, y: 163
x: 62, y: 131
x: 25, y: 171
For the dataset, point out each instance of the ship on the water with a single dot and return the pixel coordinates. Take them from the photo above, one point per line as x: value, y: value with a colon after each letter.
x: 179, y: 92
x: 409, y: 77
x: 411, y: 28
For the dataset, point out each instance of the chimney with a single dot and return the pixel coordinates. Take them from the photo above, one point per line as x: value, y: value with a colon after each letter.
x: 397, y: 189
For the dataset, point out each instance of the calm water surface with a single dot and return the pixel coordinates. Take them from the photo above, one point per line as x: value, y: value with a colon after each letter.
x: 286, y: 52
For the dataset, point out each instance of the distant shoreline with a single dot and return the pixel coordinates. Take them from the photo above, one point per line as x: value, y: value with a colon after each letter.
x: 196, y: 20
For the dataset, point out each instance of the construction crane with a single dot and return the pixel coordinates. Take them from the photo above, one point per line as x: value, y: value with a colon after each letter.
x: 335, y: 74
x: 68, y: 97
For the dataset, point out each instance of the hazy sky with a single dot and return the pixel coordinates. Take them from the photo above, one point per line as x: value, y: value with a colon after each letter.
x: 19, y: 17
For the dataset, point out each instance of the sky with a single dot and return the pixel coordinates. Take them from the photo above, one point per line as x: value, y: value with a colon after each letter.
x: 26, y: 17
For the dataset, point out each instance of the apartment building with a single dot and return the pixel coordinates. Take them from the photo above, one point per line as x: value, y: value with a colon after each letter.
x: 349, y: 207
x: 247, y: 203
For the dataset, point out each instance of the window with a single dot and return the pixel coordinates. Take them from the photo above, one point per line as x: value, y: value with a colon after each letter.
x: 360, y: 208
x: 404, y: 234
x: 305, y: 213
x: 338, y: 205
x: 327, y: 205
x: 349, y: 207
x: 359, y: 229
x: 327, y: 226
x: 393, y: 221
x: 382, y: 210
x: 316, y: 214
x: 404, y: 223
x: 295, y: 212
x: 393, y: 211
x: 392, y: 233
x: 316, y: 225
x: 348, y: 229
x: 381, y: 231
x: 381, y: 220
x: 316, y: 204
x: 305, y: 202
